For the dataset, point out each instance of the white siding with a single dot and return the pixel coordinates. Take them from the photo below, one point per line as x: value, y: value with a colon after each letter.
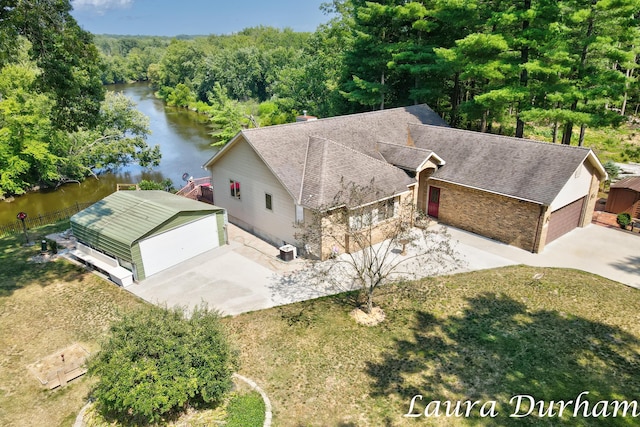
x: 180, y: 244
x: 576, y: 187
x: 242, y: 164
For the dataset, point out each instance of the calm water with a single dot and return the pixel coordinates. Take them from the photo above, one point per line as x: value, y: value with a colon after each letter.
x: 184, y: 141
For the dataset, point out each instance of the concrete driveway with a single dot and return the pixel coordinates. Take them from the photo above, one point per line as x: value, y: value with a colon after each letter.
x: 233, y: 279
x: 607, y: 252
x: 246, y: 275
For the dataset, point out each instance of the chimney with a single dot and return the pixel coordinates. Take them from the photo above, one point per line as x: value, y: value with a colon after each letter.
x: 305, y: 118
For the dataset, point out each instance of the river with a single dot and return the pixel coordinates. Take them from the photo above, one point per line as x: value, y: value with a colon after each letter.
x: 185, y: 144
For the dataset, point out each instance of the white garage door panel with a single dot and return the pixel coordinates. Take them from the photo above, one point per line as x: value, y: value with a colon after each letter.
x: 175, y: 246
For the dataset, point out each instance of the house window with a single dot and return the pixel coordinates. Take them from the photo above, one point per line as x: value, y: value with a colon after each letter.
x: 362, y: 220
x: 299, y: 214
x: 234, y: 186
x: 377, y: 213
x: 267, y: 201
x: 386, y: 209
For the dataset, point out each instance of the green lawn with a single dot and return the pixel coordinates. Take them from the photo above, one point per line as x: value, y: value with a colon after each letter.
x: 483, y: 336
x: 44, y: 308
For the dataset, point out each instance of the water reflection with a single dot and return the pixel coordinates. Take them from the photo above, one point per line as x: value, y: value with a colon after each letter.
x: 184, y: 141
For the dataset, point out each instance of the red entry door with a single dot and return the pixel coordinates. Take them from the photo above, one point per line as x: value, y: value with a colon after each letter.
x: 434, y: 202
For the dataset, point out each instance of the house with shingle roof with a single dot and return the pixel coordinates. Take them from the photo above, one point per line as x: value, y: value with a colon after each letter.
x: 522, y: 192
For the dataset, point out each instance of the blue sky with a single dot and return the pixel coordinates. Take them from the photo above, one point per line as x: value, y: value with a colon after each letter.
x: 171, y: 18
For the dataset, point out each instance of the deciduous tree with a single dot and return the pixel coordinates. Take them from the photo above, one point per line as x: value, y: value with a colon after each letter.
x: 26, y: 131
x: 118, y: 140
x: 159, y: 362
x: 372, y: 244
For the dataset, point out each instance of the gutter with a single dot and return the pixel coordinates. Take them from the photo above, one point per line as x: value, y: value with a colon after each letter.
x: 485, y: 190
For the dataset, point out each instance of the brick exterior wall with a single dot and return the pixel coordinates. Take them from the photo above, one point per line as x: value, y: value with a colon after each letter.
x: 498, y: 217
x: 335, y: 232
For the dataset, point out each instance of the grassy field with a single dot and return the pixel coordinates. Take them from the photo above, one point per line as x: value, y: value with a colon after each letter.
x: 483, y: 336
x: 44, y: 308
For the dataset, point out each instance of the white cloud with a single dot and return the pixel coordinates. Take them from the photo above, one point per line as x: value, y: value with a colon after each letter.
x: 101, y: 5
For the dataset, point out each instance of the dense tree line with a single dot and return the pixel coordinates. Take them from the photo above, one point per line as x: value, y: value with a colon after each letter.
x: 558, y: 63
x: 56, y: 124
x: 479, y: 63
x: 487, y: 65
x: 263, y: 72
x: 493, y: 66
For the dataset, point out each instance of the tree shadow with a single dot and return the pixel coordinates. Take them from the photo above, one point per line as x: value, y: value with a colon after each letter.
x: 630, y: 264
x: 498, y: 348
x: 19, y: 270
x: 313, y: 281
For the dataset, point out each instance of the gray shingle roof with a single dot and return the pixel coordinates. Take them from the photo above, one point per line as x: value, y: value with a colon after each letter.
x: 403, y: 156
x: 311, y: 158
x: 327, y: 175
x: 521, y: 168
x: 284, y: 148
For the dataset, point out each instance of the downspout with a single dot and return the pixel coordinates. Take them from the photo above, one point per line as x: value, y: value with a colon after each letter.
x: 538, y: 228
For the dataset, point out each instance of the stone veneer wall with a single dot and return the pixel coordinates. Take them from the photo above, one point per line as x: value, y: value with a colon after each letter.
x: 498, y: 217
x: 592, y: 198
x: 335, y: 230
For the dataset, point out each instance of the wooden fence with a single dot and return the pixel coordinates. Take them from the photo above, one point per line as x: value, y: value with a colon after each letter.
x: 43, y: 219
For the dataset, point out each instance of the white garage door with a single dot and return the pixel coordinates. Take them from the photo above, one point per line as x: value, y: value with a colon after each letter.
x: 175, y: 246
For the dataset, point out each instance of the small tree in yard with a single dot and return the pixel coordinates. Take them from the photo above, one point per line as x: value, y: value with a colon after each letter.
x: 158, y: 362
x: 369, y: 244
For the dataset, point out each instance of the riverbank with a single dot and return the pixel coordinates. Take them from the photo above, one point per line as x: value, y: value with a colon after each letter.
x: 185, y: 143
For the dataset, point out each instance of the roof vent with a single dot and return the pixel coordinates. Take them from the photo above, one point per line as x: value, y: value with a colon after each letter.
x: 305, y: 118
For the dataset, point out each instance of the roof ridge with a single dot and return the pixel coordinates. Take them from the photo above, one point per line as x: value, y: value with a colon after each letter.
x: 407, y: 146
x: 365, y: 113
x: 507, y: 137
x: 384, y: 163
x: 304, y: 171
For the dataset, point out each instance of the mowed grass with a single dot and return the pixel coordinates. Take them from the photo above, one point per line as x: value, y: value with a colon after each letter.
x: 45, y: 308
x: 483, y: 336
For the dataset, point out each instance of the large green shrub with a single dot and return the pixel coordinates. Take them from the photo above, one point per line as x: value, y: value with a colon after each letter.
x: 624, y: 219
x: 612, y: 170
x: 158, y: 362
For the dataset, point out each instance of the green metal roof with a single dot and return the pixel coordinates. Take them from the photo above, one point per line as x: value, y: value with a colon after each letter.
x: 128, y: 216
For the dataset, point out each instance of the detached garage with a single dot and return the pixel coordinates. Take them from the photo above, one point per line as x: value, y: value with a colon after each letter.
x: 624, y: 196
x: 144, y: 232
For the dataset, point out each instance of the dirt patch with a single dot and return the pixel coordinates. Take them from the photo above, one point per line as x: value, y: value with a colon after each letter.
x: 61, y: 366
x: 368, y: 319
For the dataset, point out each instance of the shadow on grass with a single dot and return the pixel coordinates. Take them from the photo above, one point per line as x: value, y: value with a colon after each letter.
x: 497, y: 348
x: 18, y: 271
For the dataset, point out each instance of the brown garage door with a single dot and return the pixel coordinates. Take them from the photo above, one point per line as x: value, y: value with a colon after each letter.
x: 564, y: 219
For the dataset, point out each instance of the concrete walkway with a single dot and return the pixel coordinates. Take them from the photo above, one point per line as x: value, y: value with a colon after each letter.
x: 246, y: 275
